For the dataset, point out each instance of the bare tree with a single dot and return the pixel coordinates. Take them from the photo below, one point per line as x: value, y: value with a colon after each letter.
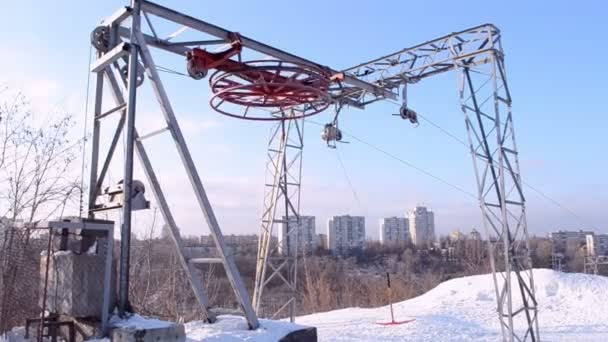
x: 37, y: 181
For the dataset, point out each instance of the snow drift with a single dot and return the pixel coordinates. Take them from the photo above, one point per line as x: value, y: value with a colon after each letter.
x: 572, y: 307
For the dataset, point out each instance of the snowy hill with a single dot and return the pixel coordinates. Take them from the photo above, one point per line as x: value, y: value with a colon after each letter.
x: 573, y: 307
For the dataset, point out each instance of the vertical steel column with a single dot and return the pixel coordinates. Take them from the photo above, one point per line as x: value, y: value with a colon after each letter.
x: 283, y: 172
x: 95, y: 144
x: 125, y: 241
x: 486, y: 105
x: 107, y: 280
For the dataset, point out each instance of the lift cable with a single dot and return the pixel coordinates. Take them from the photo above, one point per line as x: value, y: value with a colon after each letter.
x: 348, y: 179
x: 401, y: 160
x: 171, y: 71
x: 536, y: 190
x: 84, y: 133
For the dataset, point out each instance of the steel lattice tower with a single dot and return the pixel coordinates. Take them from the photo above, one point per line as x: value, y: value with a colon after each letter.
x: 281, y: 206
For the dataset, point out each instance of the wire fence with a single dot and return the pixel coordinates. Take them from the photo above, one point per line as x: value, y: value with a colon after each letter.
x: 20, y: 250
x: 50, y: 275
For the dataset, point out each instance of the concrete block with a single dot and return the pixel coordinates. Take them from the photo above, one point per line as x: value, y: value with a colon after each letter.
x: 170, y: 332
x: 75, y: 284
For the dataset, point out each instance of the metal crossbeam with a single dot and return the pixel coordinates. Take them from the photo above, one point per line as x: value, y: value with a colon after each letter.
x: 421, y: 61
x: 218, y: 32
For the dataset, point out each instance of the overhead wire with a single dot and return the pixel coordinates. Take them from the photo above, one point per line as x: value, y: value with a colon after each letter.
x: 84, y: 133
x: 536, y: 190
x: 348, y: 179
x: 402, y: 161
x: 465, y: 144
x: 170, y: 71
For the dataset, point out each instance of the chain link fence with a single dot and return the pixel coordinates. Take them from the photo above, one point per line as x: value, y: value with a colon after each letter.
x: 20, y: 250
x: 52, y: 282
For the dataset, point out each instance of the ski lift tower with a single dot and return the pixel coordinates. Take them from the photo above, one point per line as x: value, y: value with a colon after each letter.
x: 476, y: 55
x: 284, y: 90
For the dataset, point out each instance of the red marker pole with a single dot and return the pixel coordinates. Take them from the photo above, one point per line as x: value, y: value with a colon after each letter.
x: 390, y: 304
x: 390, y: 296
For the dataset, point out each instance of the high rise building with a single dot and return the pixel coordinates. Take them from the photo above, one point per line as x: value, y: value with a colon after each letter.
x: 306, y: 235
x: 562, y: 238
x: 394, y: 230
x: 422, y: 226
x: 345, y: 233
x: 597, y: 244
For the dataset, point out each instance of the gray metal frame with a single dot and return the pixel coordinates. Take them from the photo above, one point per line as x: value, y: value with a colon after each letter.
x: 282, y: 190
x: 485, y: 102
x: 139, y: 55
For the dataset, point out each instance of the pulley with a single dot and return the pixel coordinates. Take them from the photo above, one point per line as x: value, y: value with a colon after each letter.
x: 404, y: 112
x: 124, y: 73
x: 408, y: 114
x: 200, y: 61
x: 331, y: 134
x: 100, y: 38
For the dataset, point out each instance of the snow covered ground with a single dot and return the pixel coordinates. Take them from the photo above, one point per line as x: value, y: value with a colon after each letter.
x: 234, y: 328
x: 572, y: 307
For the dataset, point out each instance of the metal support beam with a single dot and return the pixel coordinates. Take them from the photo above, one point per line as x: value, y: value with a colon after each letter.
x: 118, y: 17
x: 197, y: 185
x: 486, y: 105
x: 109, y: 112
x: 107, y: 282
x: 282, y: 190
x: 119, y: 51
x: 156, y: 42
x: 95, y: 143
x: 224, y: 34
x: 421, y: 61
x: 125, y: 241
x: 173, y: 231
x: 107, y: 161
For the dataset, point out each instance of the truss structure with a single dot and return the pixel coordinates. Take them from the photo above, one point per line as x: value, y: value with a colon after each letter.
x: 476, y: 54
x: 486, y: 104
x: 557, y: 261
x: 279, y: 261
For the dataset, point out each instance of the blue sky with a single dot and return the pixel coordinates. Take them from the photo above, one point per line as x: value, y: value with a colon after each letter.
x: 555, y: 58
